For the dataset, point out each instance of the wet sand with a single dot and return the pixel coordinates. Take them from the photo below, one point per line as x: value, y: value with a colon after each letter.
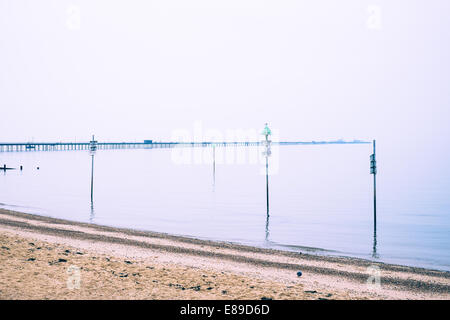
x: 42, y: 258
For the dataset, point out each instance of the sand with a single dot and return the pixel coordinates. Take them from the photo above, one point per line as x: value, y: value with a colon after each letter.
x: 46, y: 258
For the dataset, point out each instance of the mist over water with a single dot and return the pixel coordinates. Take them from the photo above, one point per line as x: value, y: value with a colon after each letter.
x: 321, y: 198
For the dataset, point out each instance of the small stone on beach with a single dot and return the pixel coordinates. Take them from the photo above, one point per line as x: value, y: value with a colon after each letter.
x: 310, y: 291
x: 299, y: 274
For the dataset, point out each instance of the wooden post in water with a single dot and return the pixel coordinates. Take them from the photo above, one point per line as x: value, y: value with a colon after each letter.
x: 214, y: 165
x: 92, y: 150
x: 373, y: 170
x: 92, y: 178
x: 267, y: 132
x: 267, y: 184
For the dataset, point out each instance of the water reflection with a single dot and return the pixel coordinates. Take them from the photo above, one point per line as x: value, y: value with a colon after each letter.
x: 92, y: 215
x: 267, y: 152
x: 374, y: 248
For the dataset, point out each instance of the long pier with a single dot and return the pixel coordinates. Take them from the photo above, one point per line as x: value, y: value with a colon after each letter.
x: 65, y: 146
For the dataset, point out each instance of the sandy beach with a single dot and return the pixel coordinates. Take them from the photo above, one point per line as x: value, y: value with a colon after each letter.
x: 46, y: 258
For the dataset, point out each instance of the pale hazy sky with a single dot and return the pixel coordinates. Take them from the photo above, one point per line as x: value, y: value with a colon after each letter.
x: 133, y: 70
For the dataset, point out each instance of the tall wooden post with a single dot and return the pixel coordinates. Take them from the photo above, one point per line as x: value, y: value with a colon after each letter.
x: 373, y: 170
x: 214, y: 167
x: 267, y: 184
x: 92, y: 178
x: 266, y: 132
x: 92, y: 150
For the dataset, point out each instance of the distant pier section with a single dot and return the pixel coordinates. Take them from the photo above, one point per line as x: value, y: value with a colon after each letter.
x: 147, y: 144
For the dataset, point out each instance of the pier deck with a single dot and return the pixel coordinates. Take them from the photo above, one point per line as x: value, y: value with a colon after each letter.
x: 63, y: 146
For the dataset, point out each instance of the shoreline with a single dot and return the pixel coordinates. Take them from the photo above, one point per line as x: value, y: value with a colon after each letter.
x: 313, y: 252
x: 275, y: 271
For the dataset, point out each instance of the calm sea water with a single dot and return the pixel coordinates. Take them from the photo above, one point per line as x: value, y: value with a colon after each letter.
x: 320, y: 197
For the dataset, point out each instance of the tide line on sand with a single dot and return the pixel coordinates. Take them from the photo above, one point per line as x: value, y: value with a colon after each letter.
x: 40, y: 257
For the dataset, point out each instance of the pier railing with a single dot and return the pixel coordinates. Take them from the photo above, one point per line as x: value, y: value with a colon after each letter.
x: 65, y: 146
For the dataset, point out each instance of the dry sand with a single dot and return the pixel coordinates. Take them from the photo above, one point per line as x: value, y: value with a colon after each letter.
x: 41, y: 257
